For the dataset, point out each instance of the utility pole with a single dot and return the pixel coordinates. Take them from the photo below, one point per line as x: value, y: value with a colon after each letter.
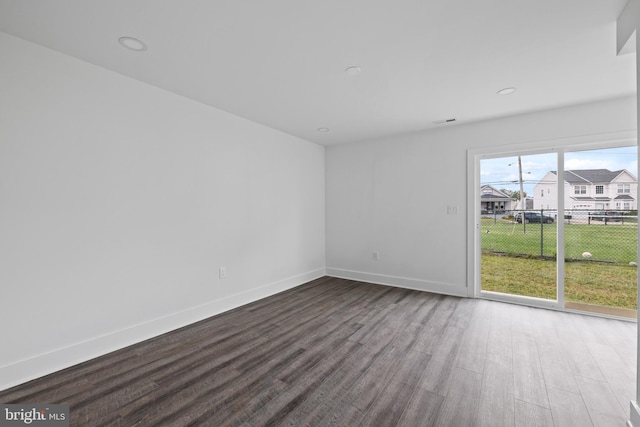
x: 522, y: 207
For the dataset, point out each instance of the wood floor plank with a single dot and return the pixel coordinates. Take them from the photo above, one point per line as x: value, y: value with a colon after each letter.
x: 340, y: 380
x: 621, y: 337
x: 437, y: 375
x: 568, y: 409
x: 368, y: 386
x: 500, y: 335
x: 528, y: 415
x: 389, y: 405
x: 434, y: 325
x: 336, y: 352
x: 341, y: 416
x: 401, y: 367
x: 412, y: 368
x: 472, y: 352
x: 556, y: 367
x: 529, y: 384
x: 372, y: 325
x: 601, y: 402
x: 302, y: 383
x: 525, y: 320
x: 614, y: 369
x: 463, y: 312
x: 458, y: 409
x: 422, y: 410
x: 580, y: 360
x: 443, y: 344
x: 496, y: 406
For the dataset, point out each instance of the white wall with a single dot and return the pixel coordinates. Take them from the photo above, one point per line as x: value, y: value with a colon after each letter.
x: 119, y: 201
x: 391, y: 195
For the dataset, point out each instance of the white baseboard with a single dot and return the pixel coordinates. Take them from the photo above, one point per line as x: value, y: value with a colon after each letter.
x: 44, y: 364
x: 634, y: 420
x: 400, y: 282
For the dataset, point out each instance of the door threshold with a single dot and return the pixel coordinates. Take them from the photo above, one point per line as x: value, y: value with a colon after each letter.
x: 615, y: 313
x: 519, y: 299
x: 610, y: 311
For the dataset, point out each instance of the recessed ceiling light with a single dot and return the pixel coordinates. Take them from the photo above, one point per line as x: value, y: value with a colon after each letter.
x: 323, y: 129
x: 132, y: 44
x: 506, y: 91
x: 353, y: 71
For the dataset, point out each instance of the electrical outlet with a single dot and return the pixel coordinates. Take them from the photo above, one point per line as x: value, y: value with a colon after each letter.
x: 452, y: 210
x: 375, y: 255
x: 222, y: 272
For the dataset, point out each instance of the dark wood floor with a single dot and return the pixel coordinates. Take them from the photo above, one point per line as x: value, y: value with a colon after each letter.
x: 338, y: 352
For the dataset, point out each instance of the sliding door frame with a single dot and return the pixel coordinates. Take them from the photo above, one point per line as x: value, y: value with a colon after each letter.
x: 558, y: 146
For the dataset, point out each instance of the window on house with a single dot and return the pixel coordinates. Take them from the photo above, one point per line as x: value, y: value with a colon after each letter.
x: 624, y: 188
x: 580, y: 189
x: 599, y: 189
x: 541, y: 193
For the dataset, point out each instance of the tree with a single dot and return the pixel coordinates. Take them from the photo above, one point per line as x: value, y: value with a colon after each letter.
x: 515, y: 195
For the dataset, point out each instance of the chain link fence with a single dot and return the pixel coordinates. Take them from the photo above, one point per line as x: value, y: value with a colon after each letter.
x: 604, y: 235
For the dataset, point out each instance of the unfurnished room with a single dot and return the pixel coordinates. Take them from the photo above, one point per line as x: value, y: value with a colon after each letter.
x: 314, y: 213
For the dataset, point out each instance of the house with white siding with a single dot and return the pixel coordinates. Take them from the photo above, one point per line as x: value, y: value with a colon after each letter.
x: 588, y: 189
x: 493, y: 200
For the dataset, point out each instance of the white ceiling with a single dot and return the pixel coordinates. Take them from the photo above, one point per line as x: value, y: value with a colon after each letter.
x: 281, y: 62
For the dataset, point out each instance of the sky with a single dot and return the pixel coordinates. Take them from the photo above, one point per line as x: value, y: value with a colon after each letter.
x: 503, y: 172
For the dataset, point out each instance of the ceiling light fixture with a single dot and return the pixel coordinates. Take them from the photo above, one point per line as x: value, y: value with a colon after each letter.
x: 323, y: 129
x: 506, y: 91
x: 353, y: 71
x: 132, y: 43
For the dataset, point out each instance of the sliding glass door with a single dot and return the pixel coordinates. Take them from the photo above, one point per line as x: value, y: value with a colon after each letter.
x: 560, y: 229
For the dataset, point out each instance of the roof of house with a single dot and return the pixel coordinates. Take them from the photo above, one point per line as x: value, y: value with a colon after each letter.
x: 586, y: 176
x: 495, y: 193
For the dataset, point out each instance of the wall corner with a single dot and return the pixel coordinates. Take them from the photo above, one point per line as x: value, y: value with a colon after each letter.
x: 634, y: 416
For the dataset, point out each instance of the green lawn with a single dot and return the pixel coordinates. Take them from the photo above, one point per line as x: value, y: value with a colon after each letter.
x: 611, y: 285
x: 511, y: 261
x: 612, y: 242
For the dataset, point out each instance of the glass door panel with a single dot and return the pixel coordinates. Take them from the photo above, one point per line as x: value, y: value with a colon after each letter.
x: 601, y: 231
x: 518, y: 238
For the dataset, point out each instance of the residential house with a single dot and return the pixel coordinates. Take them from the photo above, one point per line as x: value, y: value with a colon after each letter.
x: 493, y: 200
x: 588, y: 189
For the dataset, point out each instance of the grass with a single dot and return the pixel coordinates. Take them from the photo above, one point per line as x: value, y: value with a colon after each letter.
x: 611, y: 285
x: 512, y: 262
